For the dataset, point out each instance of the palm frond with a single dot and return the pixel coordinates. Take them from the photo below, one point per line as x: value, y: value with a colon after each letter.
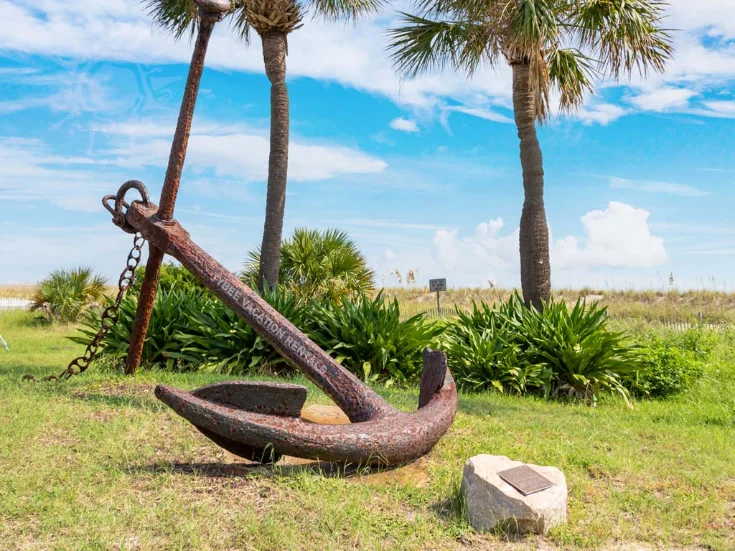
x: 626, y: 34
x: 424, y: 45
x: 572, y: 73
x: 351, y: 10
x: 485, y: 11
x: 535, y: 24
x: 175, y: 16
x: 317, y: 264
x: 239, y: 21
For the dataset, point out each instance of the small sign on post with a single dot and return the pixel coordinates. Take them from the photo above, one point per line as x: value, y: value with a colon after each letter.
x: 437, y: 286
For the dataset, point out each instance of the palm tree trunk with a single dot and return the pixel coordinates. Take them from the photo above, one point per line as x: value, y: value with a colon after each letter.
x: 534, y: 231
x: 274, y: 56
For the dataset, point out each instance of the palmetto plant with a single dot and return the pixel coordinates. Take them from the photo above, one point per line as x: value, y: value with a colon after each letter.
x: 319, y: 264
x: 366, y: 335
x: 168, y: 318
x: 191, y: 329
x: 216, y: 337
x: 273, y: 20
x: 583, y: 355
x: 551, y: 45
x: 561, y: 351
x: 484, y: 353
x: 65, y: 294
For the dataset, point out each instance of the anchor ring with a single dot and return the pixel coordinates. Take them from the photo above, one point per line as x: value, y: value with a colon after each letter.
x: 118, y: 215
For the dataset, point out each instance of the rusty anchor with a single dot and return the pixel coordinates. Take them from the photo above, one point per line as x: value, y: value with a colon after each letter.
x: 256, y: 420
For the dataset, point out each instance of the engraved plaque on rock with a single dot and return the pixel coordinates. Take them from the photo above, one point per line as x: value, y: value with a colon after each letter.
x: 525, y: 480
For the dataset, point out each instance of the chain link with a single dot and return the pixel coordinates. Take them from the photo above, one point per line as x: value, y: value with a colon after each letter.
x: 110, y: 316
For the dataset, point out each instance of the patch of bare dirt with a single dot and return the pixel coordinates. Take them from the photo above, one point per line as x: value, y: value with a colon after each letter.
x: 58, y: 437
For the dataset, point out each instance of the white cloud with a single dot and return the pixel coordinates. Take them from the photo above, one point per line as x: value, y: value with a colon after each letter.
x: 37, y: 251
x: 662, y: 99
x: 601, y: 113
x: 220, y: 147
x: 389, y: 255
x: 726, y: 108
x: 657, y: 187
x: 122, y: 32
x: 473, y: 257
x: 32, y: 172
x: 479, y: 112
x: 378, y: 223
x: 710, y: 252
x: 618, y: 237
x: 224, y: 155
x: 404, y: 125
x: 688, y: 228
x: 713, y: 15
x: 118, y: 30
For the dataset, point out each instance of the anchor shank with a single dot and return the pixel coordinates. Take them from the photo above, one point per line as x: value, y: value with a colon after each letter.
x: 356, y: 399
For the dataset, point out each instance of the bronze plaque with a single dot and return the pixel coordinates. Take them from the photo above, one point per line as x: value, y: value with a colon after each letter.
x: 525, y: 480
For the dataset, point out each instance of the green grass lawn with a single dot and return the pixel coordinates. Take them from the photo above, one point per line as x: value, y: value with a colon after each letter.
x: 98, y: 463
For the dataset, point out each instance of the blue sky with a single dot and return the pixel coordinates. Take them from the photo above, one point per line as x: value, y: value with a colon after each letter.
x: 423, y: 174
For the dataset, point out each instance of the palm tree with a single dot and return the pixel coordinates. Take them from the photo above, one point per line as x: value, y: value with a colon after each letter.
x: 66, y: 294
x: 316, y: 264
x: 551, y: 45
x: 273, y: 20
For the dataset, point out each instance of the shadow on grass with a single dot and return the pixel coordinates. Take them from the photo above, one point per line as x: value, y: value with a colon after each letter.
x: 119, y: 401
x: 325, y: 469
x: 479, y: 405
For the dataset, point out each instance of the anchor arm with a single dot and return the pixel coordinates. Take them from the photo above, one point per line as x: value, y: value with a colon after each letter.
x: 389, y: 438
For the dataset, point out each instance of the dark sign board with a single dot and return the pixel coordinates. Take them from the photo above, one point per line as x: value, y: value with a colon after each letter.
x: 525, y: 480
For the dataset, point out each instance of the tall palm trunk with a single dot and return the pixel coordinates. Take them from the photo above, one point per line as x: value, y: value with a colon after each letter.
x: 534, y: 232
x: 274, y: 55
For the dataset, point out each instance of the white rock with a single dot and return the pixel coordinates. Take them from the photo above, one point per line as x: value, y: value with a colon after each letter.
x: 493, y: 503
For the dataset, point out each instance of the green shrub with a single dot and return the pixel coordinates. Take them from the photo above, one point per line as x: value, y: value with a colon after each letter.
x: 171, y: 275
x: 483, y: 353
x: 367, y: 337
x: 318, y: 264
x: 215, y: 335
x: 66, y: 294
x: 583, y: 355
x: 190, y: 328
x: 518, y: 349
x: 170, y: 316
x: 672, y: 361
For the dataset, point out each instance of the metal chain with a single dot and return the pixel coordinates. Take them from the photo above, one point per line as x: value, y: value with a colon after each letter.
x: 110, y: 316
